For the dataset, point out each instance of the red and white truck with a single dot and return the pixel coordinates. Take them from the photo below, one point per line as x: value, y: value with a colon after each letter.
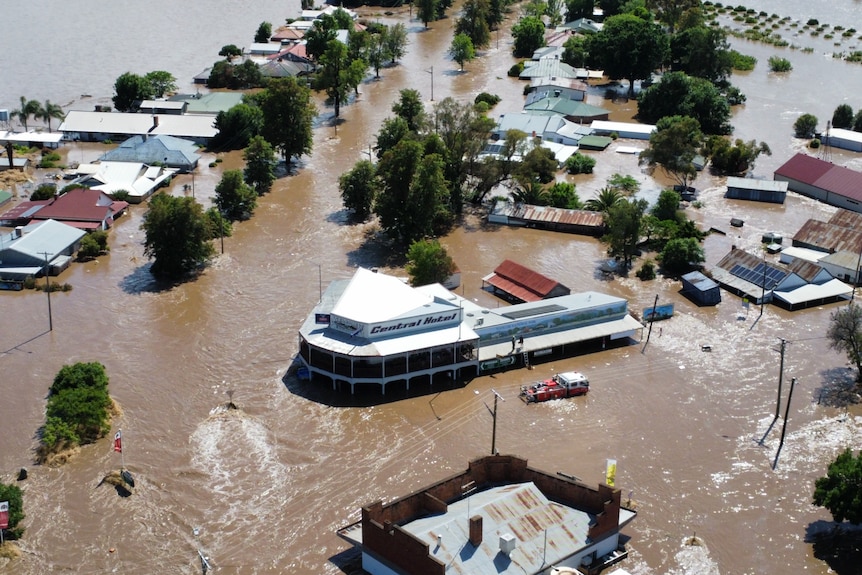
x: 567, y: 384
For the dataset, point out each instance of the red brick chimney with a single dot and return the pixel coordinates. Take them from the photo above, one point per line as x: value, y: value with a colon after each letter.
x: 476, y: 530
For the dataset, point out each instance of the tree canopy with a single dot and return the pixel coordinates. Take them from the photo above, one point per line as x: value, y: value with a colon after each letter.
x: 736, y: 158
x: 462, y: 49
x: 845, y: 334
x: 839, y: 490
x: 235, y: 199
x: 260, y: 162
x: 673, y: 145
x: 702, y: 51
x: 628, y: 47
x: 77, y: 411
x: 12, y: 494
x: 130, y: 89
x: 681, y: 254
x: 236, y: 127
x: 358, y: 188
x: 162, y: 82
x: 288, y: 113
x: 264, y: 32
x: 529, y: 35
x: 177, y: 236
x: 428, y: 262
x: 624, y: 222
x: 678, y: 94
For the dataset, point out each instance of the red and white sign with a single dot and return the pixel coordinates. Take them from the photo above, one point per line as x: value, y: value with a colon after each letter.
x: 4, y: 514
x: 118, y: 442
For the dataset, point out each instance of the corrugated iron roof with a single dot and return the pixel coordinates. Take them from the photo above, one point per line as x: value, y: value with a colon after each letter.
x: 824, y: 175
x: 513, y: 276
x: 545, y: 532
x: 828, y: 237
x: 562, y: 216
x: 846, y: 219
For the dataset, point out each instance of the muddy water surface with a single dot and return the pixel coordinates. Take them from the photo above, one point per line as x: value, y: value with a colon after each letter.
x: 267, y: 485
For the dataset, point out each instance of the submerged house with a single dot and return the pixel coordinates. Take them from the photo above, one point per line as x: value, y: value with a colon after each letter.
x: 822, y: 180
x: 30, y: 251
x: 522, y: 284
x: 515, y: 520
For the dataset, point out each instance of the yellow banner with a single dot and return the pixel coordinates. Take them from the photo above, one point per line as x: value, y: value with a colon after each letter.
x: 611, y: 472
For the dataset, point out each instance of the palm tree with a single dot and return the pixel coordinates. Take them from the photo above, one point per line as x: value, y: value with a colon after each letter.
x: 607, y: 198
x: 50, y: 112
x: 530, y: 192
x: 28, y: 108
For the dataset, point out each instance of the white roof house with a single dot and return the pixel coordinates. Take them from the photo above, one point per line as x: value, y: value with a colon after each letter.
x: 98, y: 126
x: 623, y: 129
x: 25, y: 251
x: 140, y: 180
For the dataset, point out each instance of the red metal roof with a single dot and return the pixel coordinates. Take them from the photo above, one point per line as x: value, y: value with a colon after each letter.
x: 522, y: 282
x: 81, y: 204
x: 824, y: 175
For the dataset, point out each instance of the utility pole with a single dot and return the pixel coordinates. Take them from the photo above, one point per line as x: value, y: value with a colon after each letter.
x: 48, y: 291
x: 652, y: 318
x: 431, y: 71
x: 780, y: 380
x: 763, y: 287
x: 494, y: 426
x: 784, y: 425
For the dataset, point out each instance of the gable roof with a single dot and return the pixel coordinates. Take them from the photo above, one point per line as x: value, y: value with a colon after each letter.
x: 80, y: 205
x: 824, y: 175
x: 565, y: 106
x: 547, y: 67
x: 175, y: 152
x: 828, y: 237
x: 192, y: 126
x: 43, y: 240
x: 522, y: 282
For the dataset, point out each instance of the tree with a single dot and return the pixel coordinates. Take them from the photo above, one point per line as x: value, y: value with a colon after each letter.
x: 625, y: 184
x: 260, y: 162
x: 805, y: 125
x: 81, y: 374
x: 77, y: 407
x: 28, y: 108
x: 317, y: 38
x: 89, y: 249
x: 681, y: 254
x: 842, y: 117
x: 358, y: 188
x: 563, y: 195
x: 130, y: 89
x: 288, y: 113
x: 678, y: 94
x: 667, y: 206
x: 839, y: 491
x: 396, y: 169
x: 12, y: 494
x: 235, y: 199
x: 529, y: 35
x: 334, y: 76
x: 161, y: 82
x: 236, y: 127
x: 428, y: 263
x: 575, y: 51
x: 395, y: 42
x: 49, y: 112
x: 540, y: 163
x: 426, y: 213
x: 229, y: 52
x: 530, y: 191
x: 410, y: 107
x: 462, y: 49
x: 264, y: 33
x: 673, y: 145
x: 669, y: 12
x: 579, y: 9
x: 43, y: 192
x: 427, y: 10
x: 579, y: 163
x: 857, y: 122
x: 628, y: 47
x: 473, y: 22
x: 624, y: 222
x: 845, y: 334
x: 177, y: 236
x: 607, y: 198
x: 727, y: 159
x: 391, y: 132
x: 702, y: 51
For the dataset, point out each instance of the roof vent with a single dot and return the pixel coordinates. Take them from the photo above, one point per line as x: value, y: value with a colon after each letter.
x: 507, y: 544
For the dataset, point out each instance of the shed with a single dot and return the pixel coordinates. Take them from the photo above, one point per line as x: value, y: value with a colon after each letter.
x: 771, y: 191
x: 523, y: 284
x: 595, y: 142
x: 700, y: 289
x: 844, y: 139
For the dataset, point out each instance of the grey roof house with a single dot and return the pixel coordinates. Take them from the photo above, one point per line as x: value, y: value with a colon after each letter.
x: 25, y: 251
x: 167, y: 150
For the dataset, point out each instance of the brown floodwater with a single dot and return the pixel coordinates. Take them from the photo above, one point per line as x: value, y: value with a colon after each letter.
x: 266, y: 486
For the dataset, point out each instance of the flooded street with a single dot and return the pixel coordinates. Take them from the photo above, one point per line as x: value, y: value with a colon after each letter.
x: 267, y: 485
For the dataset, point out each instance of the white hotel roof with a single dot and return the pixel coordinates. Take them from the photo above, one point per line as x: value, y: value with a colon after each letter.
x: 193, y: 126
x: 372, y: 298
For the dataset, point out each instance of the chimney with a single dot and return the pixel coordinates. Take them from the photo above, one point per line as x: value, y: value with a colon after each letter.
x: 155, y: 121
x: 507, y: 544
x: 476, y: 530
x: 19, y: 231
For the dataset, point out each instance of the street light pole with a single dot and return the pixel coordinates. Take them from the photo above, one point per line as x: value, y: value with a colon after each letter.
x: 494, y: 426
x: 431, y: 71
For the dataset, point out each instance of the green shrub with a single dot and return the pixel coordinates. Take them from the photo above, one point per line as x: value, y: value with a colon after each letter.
x: 805, y: 125
x: 647, y: 271
x: 742, y: 62
x: 44, y: 192
x: 778, y: 64
x: 516, y: 70
x: 580, y: 164
x: 814, y: 143
x: 490, y: 99
x: 212, y: 164
x: 812, y: 22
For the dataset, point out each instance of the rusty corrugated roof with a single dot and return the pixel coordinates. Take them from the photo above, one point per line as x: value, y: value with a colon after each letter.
x: 522, y: 282
x: 828, y: 237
